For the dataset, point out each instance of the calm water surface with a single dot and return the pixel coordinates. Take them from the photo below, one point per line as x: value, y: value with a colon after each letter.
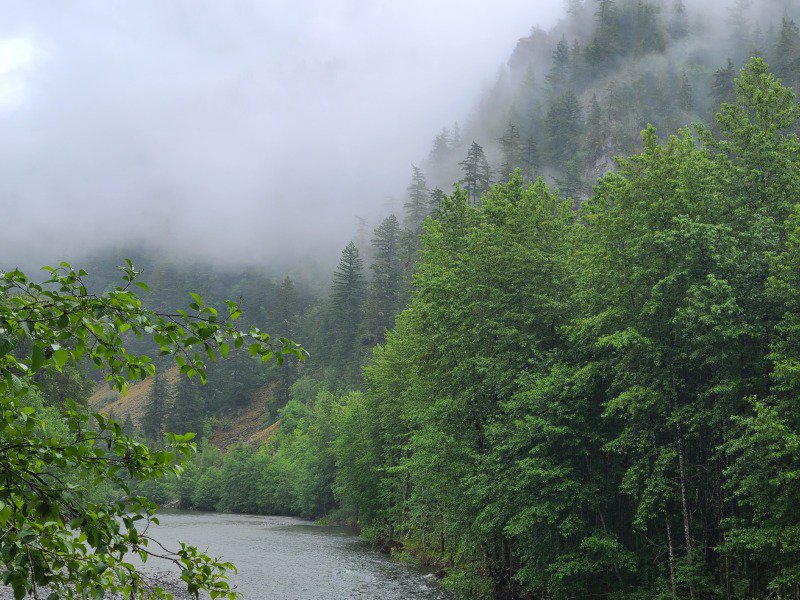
x: 280, y: 558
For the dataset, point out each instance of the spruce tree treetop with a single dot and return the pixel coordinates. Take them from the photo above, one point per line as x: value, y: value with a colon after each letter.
x: 560, y: 68
x: 723, y: 88
x: 511, y: 147
x: 417, y: 204
x: 787, y: 52
x: 348, y: 278
x: 679, y: 22
x: 477, y: 174
x: 159, y: 400
x: 348, y: 294
x: 286, y: 307
x: 387, y: 290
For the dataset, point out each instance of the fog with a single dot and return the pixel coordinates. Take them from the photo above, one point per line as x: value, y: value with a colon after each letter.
x: 248, y: 132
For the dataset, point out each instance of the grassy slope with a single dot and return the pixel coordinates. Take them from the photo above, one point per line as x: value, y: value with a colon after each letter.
x: 245, y: 425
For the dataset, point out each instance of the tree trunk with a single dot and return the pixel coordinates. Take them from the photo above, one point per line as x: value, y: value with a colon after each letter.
x: 687, y: 530
x: 671, y: 559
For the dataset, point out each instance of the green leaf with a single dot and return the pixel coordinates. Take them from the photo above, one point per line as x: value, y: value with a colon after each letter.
x: 61, y: 357
x: 6, y: 511
x: 37, y: 357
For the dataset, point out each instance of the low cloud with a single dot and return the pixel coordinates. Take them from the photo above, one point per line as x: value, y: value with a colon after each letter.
x: 251, y: 132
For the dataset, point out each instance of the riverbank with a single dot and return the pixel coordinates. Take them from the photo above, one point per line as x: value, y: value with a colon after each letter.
x: 285, y: 558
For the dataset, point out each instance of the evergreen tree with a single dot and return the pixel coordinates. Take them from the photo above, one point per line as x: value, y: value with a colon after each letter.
x: 647, y: 32
x: 739, y: 29
x: 759, y: 41
x: 571, y: 182
x: 577, y: 64
x: 455, y: 137
x: 286, y: 312
x: 723, y: 88
x: 511, y: 148
x: 348, y: 294
x: 787, y: 52
x: 417, y: 205
x: 128, y: 427
x: 436, y: 197
x: 476, y: 171
x: 574, y: 7
x: 595, y: 130
x: 679, y: 22
x: 187, y: 411
x: 559, y: 76
x: 159, y: 401
x: 361, y: 234
x: 530, y: 157
x: 441, y: 150
x: 387, y: 293
x: 685, y: 95
x: 605, y: 47
x: 71, y: 384
x: 564, y: 127
x: 286, y: 308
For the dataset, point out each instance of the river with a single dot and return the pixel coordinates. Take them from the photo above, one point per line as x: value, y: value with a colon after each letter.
x: 281, y: 558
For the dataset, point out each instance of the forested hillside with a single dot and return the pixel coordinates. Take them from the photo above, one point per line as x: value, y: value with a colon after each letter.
x: 575, y: 373
x: 578, y: 95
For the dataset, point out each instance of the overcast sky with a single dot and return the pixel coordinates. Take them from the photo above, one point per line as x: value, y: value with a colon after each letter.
x: 237, y: 128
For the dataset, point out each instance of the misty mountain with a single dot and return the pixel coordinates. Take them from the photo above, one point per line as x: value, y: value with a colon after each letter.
x: 578, y: 94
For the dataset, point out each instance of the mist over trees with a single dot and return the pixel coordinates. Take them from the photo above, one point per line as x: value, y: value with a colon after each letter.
x: 567, y: 364
x: 591, y: 400
x: 579, y: 94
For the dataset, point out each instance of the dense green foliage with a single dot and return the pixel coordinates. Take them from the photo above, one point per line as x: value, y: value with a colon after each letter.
x: 58, y: 529
x: 549, y: 393
x: 594, y: 402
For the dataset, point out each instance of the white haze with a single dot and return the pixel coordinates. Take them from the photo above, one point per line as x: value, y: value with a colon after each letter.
x: 247, y: 131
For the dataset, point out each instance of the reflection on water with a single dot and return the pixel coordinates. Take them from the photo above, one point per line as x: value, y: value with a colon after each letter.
x: 281, y: 558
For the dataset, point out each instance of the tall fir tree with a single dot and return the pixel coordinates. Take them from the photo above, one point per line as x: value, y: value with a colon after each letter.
x: 723, y: 88
x: 686, y: 94
x: 572, y: 183
x: 530, y: 157
x: 417, y: 204
x: 286, y: 312
x: 286, y: 308
x: 740, y: 29
x: 605, y: 47
x: 787, y: 52
x: 187, y: 412
x: 387, y: 292
x: 441, y: 150
x: 348, y: 294
x: 477, y: 174
x: 564, y: 127
x: 455, y: 136
x: 436, y: 197
x: 559, y: 76
x: 511, y: 148
x: 679, y: 21
x: 574, y: 7
x: 159, y: 401
x: 595, y: 129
